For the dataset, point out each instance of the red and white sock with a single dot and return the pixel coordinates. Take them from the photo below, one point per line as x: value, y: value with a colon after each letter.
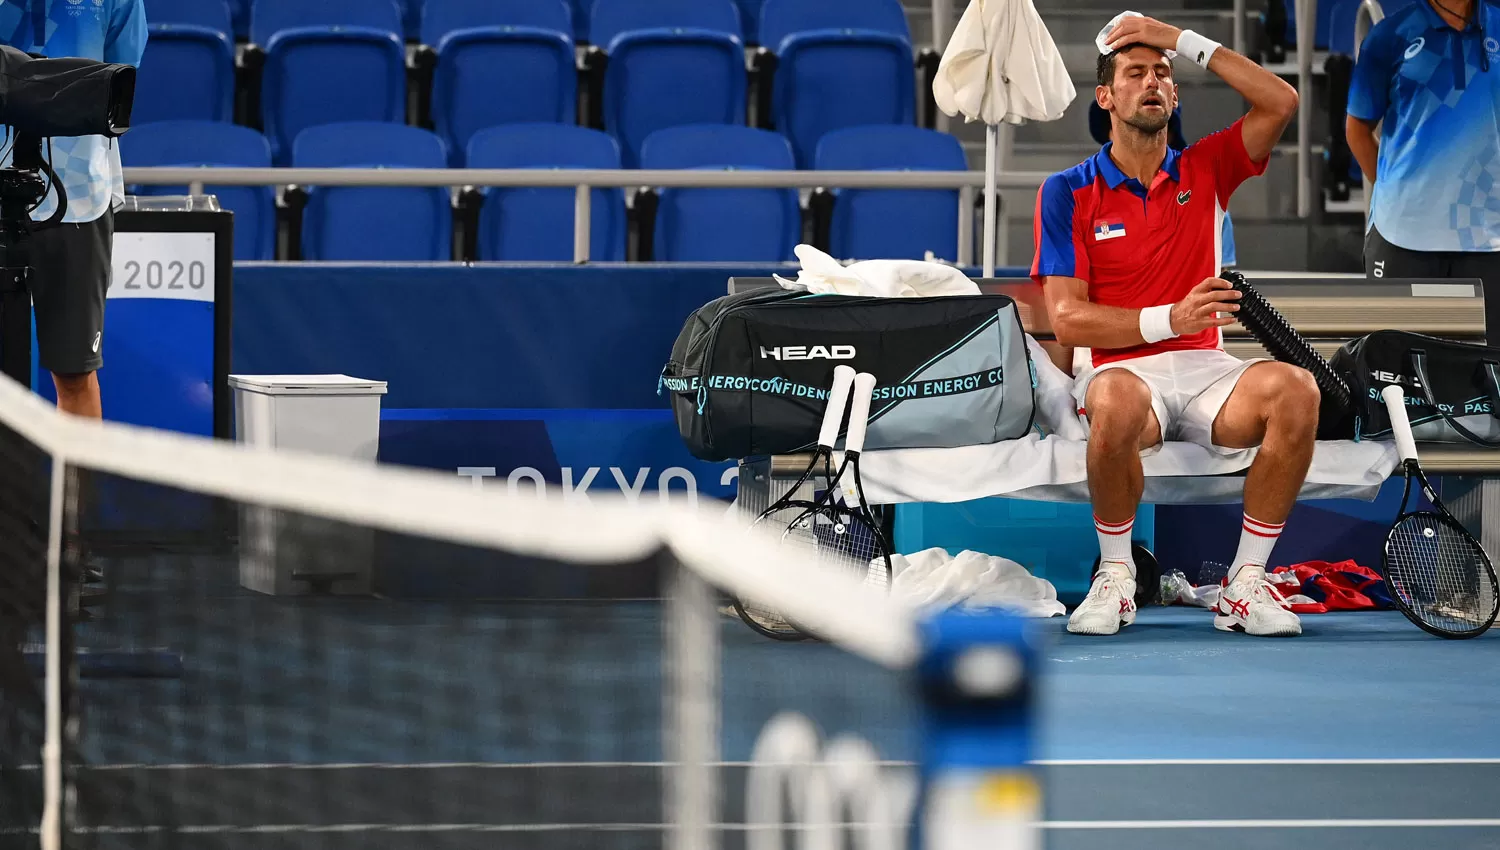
x: 1257, y: 539
x: 1114, y: 542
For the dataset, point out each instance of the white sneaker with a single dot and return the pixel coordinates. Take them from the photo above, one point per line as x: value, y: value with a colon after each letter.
x: 1109, y: 605
x: 1254, y: 606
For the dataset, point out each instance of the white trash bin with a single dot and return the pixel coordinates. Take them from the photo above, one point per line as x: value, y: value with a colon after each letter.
x: 323, y: 414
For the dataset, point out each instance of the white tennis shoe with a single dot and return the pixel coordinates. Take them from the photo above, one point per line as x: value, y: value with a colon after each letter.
x: 1254, y: 606
x: 1109, y: 605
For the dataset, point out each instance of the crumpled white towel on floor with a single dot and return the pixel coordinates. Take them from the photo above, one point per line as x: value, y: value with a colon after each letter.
x: 822, y: 275
x: 934, y: 579
x: 1054, y: 470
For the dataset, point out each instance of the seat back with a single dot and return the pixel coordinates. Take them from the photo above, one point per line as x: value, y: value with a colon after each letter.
x: 609, y: 18
x: 537, y: 224
x: 381, y: 223
x: 750, y: 19
x: 324, y: 76
x: 267, y: 17
x: 527, y: 43
x: 723, y: 225
x: 885, y: 224
x: 671, y: 63
x: 782, y: 18
x: 842, y: 63
x: 214, y: 14
x: 209, y: 143
x: 186, y: 72
x: 440, y: 17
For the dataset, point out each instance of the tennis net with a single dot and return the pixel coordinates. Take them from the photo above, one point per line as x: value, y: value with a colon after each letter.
x: 251, y: 649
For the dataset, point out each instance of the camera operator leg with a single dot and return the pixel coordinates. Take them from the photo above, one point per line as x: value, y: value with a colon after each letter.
x: 71, y: 266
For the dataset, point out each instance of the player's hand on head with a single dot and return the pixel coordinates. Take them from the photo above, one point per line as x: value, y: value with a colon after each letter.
x: 1142, y: 30
x: 1211, y: 304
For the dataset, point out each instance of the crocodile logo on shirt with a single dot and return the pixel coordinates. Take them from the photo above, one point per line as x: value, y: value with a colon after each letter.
x: 1182, y: 197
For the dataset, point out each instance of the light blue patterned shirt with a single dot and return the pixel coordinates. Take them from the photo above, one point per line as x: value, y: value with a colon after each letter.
x: 103, y: 30
x: 1437, y: 186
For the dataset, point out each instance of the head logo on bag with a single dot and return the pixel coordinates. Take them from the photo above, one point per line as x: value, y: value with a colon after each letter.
x: 1393, y: 378
x: 803, y: 352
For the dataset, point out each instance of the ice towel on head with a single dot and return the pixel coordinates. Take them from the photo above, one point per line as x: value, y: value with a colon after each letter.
x: 822, y: 275
x: 934, y: 579
x: 1002, y: 67
x: 1101, y: 41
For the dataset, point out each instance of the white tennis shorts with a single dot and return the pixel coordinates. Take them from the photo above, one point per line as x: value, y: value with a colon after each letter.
x: 1188, y: 389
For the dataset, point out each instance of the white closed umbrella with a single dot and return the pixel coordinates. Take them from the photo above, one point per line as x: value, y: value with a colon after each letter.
x: 1001, y: 67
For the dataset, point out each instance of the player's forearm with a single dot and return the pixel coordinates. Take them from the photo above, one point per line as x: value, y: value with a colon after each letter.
x: 1083, y: 324
x: 1363, y: 144
x: 1264, y: 90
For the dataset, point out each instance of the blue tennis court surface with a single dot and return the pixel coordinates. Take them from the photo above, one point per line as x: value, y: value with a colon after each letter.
x: 1363, y: 733
x: 315, y: 718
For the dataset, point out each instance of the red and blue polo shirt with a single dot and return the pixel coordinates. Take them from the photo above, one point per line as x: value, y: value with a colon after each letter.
x: 1138, y: 246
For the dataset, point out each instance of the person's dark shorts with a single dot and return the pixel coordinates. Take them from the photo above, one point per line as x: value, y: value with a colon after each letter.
x: 70, y: 270
x: 1384, y: 260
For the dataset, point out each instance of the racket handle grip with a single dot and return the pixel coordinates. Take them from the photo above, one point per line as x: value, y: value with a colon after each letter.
x: 859, y: 414
x: 1395, y: 405
x: 838, y: 401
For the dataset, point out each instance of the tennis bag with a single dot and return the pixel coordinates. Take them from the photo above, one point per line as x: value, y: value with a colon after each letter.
x: 1452, y: 388
x: 749, y: 374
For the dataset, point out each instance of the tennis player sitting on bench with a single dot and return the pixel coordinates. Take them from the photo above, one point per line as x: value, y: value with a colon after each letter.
x: 1127, y: 250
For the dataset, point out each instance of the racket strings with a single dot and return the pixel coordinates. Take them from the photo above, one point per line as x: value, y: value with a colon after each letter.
x: 1440, y: 574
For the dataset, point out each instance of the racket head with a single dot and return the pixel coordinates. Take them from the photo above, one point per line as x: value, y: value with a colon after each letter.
x: 1439, y: 575
x: 836, y: 536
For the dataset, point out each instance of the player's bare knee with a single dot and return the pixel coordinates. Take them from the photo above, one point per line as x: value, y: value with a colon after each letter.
x: 1119, y: 406
x: 1293, y: 396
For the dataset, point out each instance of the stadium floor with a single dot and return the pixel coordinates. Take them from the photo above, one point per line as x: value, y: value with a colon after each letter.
x: 1364, y: 732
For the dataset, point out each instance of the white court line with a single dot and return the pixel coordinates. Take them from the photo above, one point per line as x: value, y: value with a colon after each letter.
x: 888, y: 763
x: 1211, y: 762
x: 276, y: 829
x: 1329, y: 823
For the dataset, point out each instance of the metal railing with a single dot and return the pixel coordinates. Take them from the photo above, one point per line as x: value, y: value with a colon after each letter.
x: 582, y: 181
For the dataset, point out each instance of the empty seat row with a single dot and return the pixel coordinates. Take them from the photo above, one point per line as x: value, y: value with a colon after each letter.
x: 536, y: 224
x: 661, y: 63
x: 419, y: 18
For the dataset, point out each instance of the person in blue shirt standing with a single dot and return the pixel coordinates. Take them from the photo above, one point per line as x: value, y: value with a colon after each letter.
x: 71, y: 263
x: 1427, y: 75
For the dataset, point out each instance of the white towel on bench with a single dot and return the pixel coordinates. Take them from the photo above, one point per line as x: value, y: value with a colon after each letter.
x: 1052, y: 469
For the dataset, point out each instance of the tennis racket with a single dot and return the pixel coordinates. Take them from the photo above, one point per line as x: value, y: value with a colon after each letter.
x: 865, y: 542
x: 1437, y: 572
x: 784, y: 515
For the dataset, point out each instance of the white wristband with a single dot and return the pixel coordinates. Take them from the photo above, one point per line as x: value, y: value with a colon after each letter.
x: 1196, y: 47
x: 1156, y: 323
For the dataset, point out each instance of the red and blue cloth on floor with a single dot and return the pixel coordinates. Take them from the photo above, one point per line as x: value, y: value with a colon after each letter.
x: 1342, y: 586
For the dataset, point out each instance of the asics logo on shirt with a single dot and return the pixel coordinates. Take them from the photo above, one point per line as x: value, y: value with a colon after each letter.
x: 1415, y: 47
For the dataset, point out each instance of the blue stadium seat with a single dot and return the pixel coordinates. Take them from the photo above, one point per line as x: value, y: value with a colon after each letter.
x: 411, y: 18
x: 750, y: 19
x: 537, y: 224
x: 240, y: 11
x: 209, y: 143
x: 378, y: 223
x: 580, y: 10
x: 671, y: 62
x: 187, y: 71
x: 886, y: 224
x: 328, y: 61
x: 723, y: 225
x: 526, y: 43
x: 839, y: 63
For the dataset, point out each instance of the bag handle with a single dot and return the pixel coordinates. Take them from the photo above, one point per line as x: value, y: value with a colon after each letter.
x: 1491, y: 391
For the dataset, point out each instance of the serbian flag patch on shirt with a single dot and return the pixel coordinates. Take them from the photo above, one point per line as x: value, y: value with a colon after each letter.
x: 1108, y: 228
